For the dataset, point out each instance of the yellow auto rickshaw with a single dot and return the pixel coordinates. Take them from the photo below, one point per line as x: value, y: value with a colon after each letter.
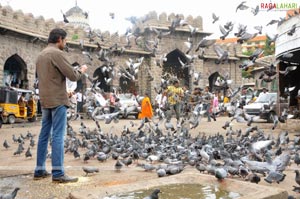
x: 11, y: 108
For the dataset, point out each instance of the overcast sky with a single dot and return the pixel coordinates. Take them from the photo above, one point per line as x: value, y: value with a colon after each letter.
x: 99, y: 11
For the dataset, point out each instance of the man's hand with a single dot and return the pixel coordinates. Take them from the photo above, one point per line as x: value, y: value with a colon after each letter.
x: 83, y: 68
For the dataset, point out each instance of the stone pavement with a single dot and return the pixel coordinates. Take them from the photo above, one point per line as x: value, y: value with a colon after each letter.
x: 17, y: 171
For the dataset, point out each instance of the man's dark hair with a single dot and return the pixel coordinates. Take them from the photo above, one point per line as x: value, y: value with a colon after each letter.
x: 55, y: 34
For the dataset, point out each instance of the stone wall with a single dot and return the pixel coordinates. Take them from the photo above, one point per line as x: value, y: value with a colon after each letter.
x: 25, y: 35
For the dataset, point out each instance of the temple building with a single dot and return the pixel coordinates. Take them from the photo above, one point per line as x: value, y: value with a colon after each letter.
x: 154, y: 41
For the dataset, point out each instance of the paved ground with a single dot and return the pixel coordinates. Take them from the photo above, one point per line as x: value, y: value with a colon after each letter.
x: 17, y: 171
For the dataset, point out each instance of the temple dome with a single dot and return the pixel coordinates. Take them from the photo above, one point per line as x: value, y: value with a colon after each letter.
x: 77, y: 17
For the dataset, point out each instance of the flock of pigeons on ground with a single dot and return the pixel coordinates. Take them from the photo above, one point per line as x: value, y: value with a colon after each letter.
x: 157, y: 146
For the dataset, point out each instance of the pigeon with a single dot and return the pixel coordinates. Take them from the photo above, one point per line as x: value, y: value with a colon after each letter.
x: 241, y: 6
x: 222, y: 54
x: 76, y: 154
x: 205, y: 43
x: 19, y: 150
x: 154, y: 194
x: 297, y: 177
x: 241, y: 30
x: 296, y: 189
x: 255, y: 10
x: 287, y: 70
x: 65, y: 17
x: 147, y: 167
x: 227, y: 124
x: 253, y: 177
x: 220, y: 174
x: 5, y: 144
x: 292, y: 30
x: 224, y: 32
x: 215, y: 18
x: 118, y: 165
x: 274, y: 176
x: 246, y: 36
x: 127, y: 161
x: 112, y: 15
x: 10, y: 195
x: 256, y: 54
x: 28, y: 153
x: 161, y: 172
x: 88, y: 170
x: 271, y: 39
x: 297, y: 159
x: 32, y: 142
x: 273, y: 21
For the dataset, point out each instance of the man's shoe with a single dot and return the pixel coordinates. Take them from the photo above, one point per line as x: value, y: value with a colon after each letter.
x: 64, y: 179
x: 41, y: 176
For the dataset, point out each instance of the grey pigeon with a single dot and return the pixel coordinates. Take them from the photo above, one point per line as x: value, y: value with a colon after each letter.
x: 147, y: 167
x: 292, y: 30
x: 118, y: 165
x: 221, y: 173
x: 297, y: 159
x: 241, y: 6
x: 88, y: 170
x: 161, y: 172
x: 255, y: 10
x: 274, y: 176
x: 297, y: 177
x: 127, y: 161
x: 5, y: 144
x: 28, y: 153
x: 287, y: 70
x: 10, y: 195
x: 215, y: 18
x: 253, y: 177
x: 154, y: 194
x: 222, y: 54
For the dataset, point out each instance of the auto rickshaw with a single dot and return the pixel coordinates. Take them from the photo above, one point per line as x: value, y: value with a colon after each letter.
x: 11, y: 109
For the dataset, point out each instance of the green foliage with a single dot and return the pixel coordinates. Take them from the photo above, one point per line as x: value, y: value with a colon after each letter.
x: 247, y: 74
x: 248, y: 53
x: 269, y: 48
x: 75, y: 37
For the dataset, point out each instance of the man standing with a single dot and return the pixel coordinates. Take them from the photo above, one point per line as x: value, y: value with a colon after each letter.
x: 174, y: 94
x: 52, y: 69
x: 79, y: 98
x: 207, y: 100
x: 146, y: 108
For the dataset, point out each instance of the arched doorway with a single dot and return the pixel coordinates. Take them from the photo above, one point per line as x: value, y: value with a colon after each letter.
x: 15, y: 72
x: 102, y: 77
x: 175, y: 68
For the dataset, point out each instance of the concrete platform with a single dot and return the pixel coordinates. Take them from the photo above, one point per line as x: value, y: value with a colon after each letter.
x: 245, y: 189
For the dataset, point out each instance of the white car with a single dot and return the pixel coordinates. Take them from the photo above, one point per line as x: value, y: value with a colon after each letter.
x: 129, y: 105
x: 264, y: 106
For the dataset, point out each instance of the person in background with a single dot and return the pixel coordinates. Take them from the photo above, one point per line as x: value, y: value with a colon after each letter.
x: 53, y: 67
x: 112, y: 101
x: 215, y: 105
x: 38, y: 102
x: 174, y: 94
x: 264, y: 92
x: 158, y: 99
x: 207, y: 100
x: 146, y: 108
x: 79, y: 97
x: 21, y: 101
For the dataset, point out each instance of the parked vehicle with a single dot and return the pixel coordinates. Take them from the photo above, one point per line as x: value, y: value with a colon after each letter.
x: 129, y: 105
x: 264, y: 106
x: 11, y: 110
